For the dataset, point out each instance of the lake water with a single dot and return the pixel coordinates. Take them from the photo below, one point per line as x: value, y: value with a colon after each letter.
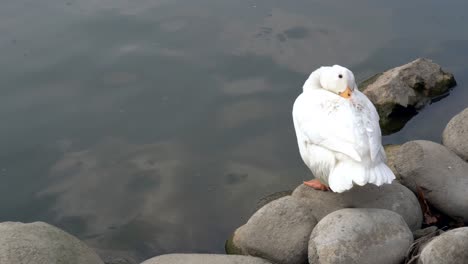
x: 153, y: 126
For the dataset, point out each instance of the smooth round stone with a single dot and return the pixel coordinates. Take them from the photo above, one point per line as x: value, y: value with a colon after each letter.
x: 455, y: 135
x: 41, y: 243
x: 278, y: 232
x: 360, y: 236
x: 391, y: 152
x: 450, y: 247
x: 438, y: 173
x: 394, y: 197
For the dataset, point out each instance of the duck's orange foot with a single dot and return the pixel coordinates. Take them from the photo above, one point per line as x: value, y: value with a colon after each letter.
x: 317, y: 185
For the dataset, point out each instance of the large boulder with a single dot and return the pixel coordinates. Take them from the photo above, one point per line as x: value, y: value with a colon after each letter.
x: 400, y: 92
x: 360, y: 236
x: 204, y: 259
x: 394, y: 197
x: 455, y: 136
x: 41, y: 243
x: 278, y: 232
x: 450, y: 247
x: 438, y: 173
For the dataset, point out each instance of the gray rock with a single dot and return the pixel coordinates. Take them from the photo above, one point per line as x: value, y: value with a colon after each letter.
x: 41, y: 243
x: 391, y: 151
x: 394, y: 197
x: 399, y: 92
x: 278, y: 232
x: 455, y: 136
x: 274, y: 196
x: 450, y: 247
x: 204, y: 259
x: 439, y: 173
x: 361, y: 236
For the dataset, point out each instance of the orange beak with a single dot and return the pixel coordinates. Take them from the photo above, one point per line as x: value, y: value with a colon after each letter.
x: 346, y: 94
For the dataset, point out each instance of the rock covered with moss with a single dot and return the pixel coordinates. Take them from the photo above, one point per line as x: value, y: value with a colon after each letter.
x: 400, y: 92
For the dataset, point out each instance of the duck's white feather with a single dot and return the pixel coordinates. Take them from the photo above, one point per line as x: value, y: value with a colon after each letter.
x: 339, y: 139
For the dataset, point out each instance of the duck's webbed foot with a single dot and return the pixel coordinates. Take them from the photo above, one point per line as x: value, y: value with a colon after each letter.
x: 317, y: 185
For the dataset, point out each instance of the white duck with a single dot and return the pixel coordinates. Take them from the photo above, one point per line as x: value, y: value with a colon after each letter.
x: 338, y: 132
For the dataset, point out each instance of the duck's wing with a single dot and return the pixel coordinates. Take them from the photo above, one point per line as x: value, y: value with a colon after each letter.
x: 317, y: 119
x: 370, y: 121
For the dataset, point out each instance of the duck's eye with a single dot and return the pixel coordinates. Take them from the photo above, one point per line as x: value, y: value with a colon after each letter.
x: 340, y: 76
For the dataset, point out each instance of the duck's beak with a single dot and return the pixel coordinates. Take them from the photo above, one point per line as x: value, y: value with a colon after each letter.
x: 346, y: 94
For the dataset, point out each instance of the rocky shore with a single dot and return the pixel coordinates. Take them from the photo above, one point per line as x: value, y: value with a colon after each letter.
x: 419, y: 218
x: 372, y: 223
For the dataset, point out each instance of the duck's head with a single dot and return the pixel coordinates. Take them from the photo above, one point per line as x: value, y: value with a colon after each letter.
x: 335, y: 79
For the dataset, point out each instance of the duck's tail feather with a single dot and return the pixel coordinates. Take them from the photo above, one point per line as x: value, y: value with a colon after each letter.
x: 380, y: 174
x: 344, y: 174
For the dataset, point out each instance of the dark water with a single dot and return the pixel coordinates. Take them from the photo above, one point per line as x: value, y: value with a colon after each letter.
x: 148, y: 127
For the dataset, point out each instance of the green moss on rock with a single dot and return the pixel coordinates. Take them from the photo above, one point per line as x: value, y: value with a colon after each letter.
x: 231, y: 248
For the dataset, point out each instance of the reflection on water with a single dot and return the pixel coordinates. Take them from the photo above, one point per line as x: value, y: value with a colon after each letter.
x: 154, y: 127
x: 153, y: 197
